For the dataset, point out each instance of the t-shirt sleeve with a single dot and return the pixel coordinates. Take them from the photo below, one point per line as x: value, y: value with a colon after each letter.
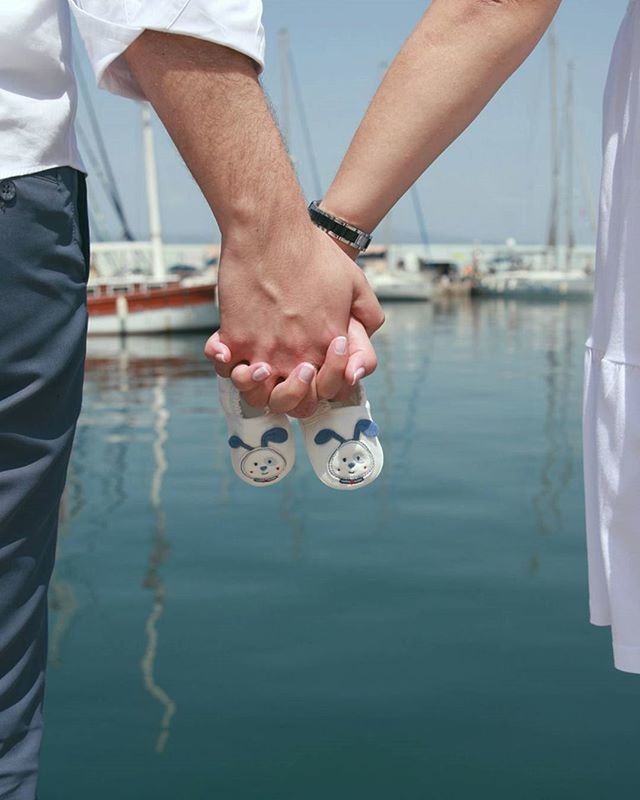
x: 108, y: 27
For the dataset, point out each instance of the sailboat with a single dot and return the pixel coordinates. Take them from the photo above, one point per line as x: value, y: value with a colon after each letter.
x: 162, y: 302
x: 554, y: 282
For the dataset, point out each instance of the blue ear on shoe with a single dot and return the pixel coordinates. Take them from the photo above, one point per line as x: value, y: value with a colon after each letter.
x: 326, y: 435
x: 235, y: 442
x: 366, y: 426
x: 275, y: 436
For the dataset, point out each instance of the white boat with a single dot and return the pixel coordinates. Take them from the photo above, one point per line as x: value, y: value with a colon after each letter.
x: 400, y: 285
x: 507, y: 276
x: 391, y: 282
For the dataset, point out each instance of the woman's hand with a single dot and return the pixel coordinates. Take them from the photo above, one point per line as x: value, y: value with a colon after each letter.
x: 343, y: 367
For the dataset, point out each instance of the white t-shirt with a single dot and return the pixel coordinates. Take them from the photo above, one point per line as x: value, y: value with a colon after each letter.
x: 37, y: 88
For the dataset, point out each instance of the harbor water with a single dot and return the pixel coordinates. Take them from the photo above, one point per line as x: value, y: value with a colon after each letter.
x: 426, y: 638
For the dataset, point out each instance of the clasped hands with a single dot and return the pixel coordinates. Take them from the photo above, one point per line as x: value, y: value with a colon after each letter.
x: 295, y: 321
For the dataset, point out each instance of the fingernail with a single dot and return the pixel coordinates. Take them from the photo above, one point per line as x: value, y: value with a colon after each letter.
x: 261, y: 373
x: 306, y: 373
x: 221, y: 357
x: 340, y: 345
x: 357, y: 375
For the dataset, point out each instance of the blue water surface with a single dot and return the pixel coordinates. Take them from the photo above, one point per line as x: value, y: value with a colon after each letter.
x: 424, y: 638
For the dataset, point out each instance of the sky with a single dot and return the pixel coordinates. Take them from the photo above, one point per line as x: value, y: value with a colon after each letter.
x: 492, y: 184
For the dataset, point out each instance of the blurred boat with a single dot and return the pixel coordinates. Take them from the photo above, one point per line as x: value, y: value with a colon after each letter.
x: 393, y: 283
x: 536, y: 284
x: 396, y: 284
x: 508, y: 275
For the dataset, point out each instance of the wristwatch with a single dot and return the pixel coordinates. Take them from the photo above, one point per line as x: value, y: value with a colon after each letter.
x: 338, y: 228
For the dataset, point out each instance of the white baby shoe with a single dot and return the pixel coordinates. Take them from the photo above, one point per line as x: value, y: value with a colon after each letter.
x: 342, y: 442
x: 262, y: 445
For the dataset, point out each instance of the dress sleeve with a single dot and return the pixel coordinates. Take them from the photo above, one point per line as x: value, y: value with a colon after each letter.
x: 108, y: 27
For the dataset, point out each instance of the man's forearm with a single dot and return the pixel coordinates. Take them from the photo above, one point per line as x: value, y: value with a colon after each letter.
x: 213, y: 106
x: 456, y: 59
x: 286, y: 292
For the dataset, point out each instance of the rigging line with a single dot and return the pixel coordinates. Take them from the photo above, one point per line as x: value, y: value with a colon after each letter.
x: 417, y: 207
x: 570, y: 156
x: 96, y: 166
x: 104, y: 156
x: 306, y: 131
x: 95, y: 221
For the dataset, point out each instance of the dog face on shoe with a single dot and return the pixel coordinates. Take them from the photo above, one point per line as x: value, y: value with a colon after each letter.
x: 263, y: 464
x: 352, y: 461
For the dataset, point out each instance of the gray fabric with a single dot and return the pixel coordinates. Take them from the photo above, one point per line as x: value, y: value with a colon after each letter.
x: 43, y: 272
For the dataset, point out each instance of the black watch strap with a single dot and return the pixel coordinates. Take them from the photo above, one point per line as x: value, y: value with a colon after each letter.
x: 339, y: 228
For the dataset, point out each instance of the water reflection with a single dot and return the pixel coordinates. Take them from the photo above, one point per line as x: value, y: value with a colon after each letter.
x: 559, y: 458
x: 478, y: 405
x: 120, y: 375
x: 477, y: 340
x: 159, y: 551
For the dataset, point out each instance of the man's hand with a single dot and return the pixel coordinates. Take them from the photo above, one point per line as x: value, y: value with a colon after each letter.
x: 283, y: 304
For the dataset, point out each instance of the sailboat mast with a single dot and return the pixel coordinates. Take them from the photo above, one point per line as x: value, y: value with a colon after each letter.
x: 283, y: 39
x: 552, y: 240
x: 571, y: 239
x: 155, y: 228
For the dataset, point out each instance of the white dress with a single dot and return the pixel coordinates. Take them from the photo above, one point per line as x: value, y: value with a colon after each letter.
x: 612, y: 374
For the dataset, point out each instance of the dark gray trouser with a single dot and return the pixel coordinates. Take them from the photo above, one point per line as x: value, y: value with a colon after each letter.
x: 43, y: 272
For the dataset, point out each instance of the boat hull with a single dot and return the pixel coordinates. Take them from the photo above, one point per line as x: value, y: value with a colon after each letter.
x: 388, y: 295
x: 531, y: 285
x: 406, y: 287
x: 156, y: 310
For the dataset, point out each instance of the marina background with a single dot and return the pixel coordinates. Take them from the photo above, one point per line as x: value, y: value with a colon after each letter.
x: 426, y: 638
x: 491, y: 185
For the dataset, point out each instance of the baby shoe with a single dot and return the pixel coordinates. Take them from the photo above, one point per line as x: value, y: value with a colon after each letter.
x: 342, y: 442
x: 262, y: 444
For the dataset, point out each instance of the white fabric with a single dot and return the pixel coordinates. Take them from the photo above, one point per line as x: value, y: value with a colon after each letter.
x: 612, y: 375
x: 109, y: 26
x: 37, y: 89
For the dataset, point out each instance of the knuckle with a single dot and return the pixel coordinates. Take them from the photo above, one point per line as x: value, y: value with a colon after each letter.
x: 328, y: 387
x: 237, y: 341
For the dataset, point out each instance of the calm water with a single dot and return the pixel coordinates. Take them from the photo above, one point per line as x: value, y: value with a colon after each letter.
x: 424, y: 639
